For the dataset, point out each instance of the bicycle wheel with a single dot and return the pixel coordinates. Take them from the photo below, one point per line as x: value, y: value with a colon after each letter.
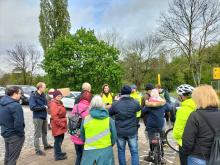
x: 171, y: 141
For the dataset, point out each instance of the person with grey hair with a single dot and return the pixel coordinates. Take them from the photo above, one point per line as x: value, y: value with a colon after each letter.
x: 85, y: 87
x: 99, y: 134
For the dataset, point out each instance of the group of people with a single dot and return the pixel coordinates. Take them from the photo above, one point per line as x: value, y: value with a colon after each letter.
x: 108, y: 119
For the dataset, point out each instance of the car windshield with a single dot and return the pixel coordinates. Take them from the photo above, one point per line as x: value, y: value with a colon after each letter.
x: 29, y: 89
x: 75, y: 94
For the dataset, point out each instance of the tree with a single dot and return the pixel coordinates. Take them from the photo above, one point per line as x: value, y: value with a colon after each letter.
x: 111, y: 37
x: 54, y: 21
x: 137, y: 58
x: 24, y: 59
x: 82, y: 58
x: 190, y: 26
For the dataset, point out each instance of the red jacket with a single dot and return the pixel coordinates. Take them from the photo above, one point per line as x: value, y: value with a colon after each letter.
x: 58, y: 118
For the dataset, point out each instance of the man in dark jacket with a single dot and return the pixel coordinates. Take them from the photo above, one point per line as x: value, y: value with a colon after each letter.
x: 124, y: 112
x: 12, y: 124
x: 38, y: 104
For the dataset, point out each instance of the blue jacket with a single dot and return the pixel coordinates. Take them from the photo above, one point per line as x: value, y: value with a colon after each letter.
x: 11, y: 117
x: 124, y: 112
x: 155, y: 116
x: 37, y: 104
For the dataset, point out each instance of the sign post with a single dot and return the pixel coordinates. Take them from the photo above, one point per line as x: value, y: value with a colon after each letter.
x: 216, y: 76
x: 158, y: 79
x: 216, y: 73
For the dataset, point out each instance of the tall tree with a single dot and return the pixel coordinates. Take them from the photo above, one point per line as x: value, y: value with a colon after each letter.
x: 190, y: 26
x: 83, y: 58
x: 54, y: 21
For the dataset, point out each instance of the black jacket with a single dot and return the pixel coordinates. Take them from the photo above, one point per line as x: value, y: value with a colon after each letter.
x: 11, y: 117
x: 197, y: 136
x: 38, y: 105
x: 124, y: 112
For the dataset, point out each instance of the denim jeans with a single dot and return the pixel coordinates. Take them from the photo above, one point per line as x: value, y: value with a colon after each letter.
x: 195, y: 161
x: 133, y: 146
x: 79, y: 152
x: 58, y: 140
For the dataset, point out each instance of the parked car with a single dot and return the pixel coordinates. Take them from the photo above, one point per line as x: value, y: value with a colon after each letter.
x: 26, y: 92
x: 68, y: 101
x: 2, y: 92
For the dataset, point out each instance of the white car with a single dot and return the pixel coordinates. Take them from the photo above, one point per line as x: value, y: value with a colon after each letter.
x: 2, y: 92
x: 68, y: 101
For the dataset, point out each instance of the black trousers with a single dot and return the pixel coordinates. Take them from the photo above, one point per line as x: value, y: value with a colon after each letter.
x: 13, y: 146
x: 58, y: 140
x: 183, y: 157
x: 79, y: 152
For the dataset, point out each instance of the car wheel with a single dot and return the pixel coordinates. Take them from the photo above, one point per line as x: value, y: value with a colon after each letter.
x: 21, y: 101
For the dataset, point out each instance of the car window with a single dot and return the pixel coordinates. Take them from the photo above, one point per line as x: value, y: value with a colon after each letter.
x: 29, y: 89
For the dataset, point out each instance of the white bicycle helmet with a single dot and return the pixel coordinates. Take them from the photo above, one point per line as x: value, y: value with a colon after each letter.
x: 184, y: 90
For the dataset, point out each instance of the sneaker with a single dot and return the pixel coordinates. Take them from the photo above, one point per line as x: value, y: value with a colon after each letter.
x: 48, y: 147
x: 63, y: 153
x: 61, y: 158
x: 40, y: 153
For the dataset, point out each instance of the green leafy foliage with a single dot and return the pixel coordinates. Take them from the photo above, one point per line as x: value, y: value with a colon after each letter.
x: 54, y: 21
x: 82, y: 58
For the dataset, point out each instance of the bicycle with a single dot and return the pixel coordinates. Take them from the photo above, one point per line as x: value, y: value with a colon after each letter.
x: 171, y: 142
x: 158, y: 152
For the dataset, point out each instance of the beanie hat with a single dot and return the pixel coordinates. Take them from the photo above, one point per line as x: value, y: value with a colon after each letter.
x: 149, y: 87
x: 126, y: 90
x: 57, y: 93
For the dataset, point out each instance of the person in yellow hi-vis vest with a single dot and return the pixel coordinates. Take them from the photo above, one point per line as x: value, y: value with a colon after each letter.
x: 137, y: 96
x: 107, y: 96
x: 99, y: 135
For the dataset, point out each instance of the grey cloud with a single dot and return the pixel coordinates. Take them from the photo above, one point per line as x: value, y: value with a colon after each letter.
x: 134, y: 18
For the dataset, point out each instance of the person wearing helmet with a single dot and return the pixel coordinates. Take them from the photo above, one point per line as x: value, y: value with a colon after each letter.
x: 187, y: 106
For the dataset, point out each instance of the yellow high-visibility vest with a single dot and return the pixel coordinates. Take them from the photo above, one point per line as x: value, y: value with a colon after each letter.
x: 137, y: 96
x: 97, y: 133
x: 107, y: 99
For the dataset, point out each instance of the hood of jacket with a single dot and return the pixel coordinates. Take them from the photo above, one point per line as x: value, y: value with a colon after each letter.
x: 6, y: 100
x: 99, y: 113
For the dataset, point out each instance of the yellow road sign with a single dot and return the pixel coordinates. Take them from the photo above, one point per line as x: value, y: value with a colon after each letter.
x: 216, y: 73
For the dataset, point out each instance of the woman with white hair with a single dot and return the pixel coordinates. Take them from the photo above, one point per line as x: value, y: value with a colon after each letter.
x: 99, y: 134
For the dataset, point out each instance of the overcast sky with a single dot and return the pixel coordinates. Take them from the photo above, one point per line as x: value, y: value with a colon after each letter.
x: 131, y: 18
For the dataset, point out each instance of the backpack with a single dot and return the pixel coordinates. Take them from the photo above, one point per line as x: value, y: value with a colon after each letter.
x: 74, y: 121
x: 215, y: 149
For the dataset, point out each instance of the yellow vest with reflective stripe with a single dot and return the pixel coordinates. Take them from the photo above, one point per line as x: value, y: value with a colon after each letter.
x: 107, y: 99
x: 97, y: 133
x: 137, y: 96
